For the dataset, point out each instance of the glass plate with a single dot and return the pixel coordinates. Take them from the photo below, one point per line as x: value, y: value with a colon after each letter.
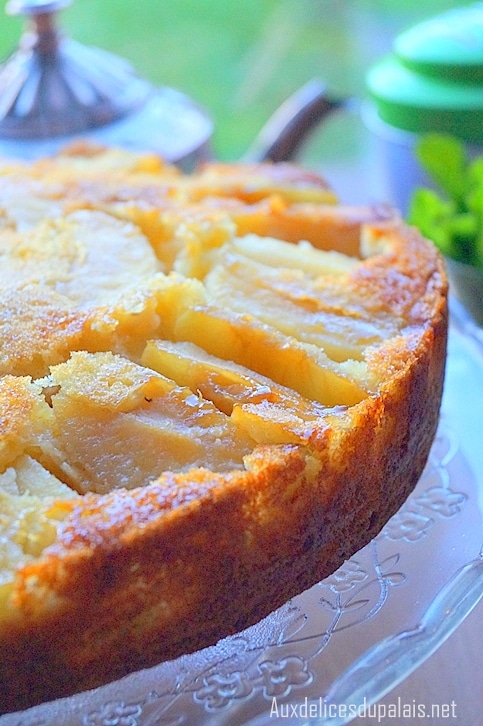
x: 347, y: 641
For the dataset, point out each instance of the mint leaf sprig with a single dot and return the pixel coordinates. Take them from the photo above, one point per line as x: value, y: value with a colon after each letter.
x: 451, y: 215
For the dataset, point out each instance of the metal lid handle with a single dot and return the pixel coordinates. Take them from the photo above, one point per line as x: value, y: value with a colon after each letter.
x: 53, y: 86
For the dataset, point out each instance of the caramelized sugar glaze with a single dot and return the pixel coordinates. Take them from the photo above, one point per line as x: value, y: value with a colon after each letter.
x: 214, y: 389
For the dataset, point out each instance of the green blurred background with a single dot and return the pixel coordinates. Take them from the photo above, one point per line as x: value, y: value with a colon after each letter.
x: 241, y: 59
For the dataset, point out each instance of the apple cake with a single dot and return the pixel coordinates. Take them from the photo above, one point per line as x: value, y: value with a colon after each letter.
x: 214, y: 389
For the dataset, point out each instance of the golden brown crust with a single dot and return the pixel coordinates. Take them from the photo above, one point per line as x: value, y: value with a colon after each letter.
x: 265, y: 551
x: 138, y: 576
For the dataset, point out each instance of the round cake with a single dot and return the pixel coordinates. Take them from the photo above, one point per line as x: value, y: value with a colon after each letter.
x: 214, y: 389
